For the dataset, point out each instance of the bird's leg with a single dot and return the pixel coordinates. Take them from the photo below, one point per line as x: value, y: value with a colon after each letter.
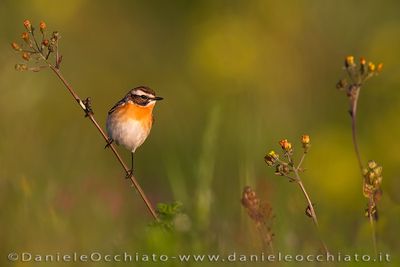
x: 109, y: 142
x: 130, y: 172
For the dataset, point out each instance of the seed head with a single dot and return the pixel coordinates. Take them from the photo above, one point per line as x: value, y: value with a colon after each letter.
x: 21, y: 67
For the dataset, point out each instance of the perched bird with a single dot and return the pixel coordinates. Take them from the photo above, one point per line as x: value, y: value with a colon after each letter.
x: 130, y: 120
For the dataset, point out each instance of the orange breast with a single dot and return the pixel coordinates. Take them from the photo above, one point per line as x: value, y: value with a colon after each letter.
x: 131, y: 111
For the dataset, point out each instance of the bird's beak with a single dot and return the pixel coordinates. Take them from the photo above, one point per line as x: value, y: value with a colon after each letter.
x: 158, y: 98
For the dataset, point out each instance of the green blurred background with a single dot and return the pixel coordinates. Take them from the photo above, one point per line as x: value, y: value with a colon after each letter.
x: 236, y: 76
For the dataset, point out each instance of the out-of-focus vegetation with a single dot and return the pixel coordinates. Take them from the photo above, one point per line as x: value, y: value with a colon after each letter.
x: 237, y: 76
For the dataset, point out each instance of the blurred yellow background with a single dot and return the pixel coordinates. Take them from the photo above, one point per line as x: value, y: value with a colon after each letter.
x: 236, y: 76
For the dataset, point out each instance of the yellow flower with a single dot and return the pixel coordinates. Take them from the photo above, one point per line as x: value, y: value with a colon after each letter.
x: 285, y: 145
x: 371, y: 66
x: 271, y: 158
x: 349, y: 61
x: 305, y: 139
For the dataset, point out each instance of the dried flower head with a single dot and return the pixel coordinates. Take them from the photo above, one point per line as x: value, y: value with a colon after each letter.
x: 42, y: 50
x: 28, y: 25
x: 372, y: 186
x: 282, y: 169
x: 45, y: 42
x: 21, y: 67
x: 259, y: 212
x: 271, y: 158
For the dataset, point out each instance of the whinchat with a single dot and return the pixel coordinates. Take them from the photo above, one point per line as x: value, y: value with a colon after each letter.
x: 130, y: 120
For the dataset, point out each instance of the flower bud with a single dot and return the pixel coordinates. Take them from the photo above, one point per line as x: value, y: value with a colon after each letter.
x: 305, y: 139
x: 379, y: 68
x: 45, y: 42
x: 42, y: 26
x: 26, y: 56
x: 285, y: 145
x: 25, y: 36
x: 28, y: 25
x: 363, y: 63
x: 15, y: 46
x: 341, y: 84
x: 271, y: 158
x: 349, y: 61
x: 371, y: 67
x: 372, y: 164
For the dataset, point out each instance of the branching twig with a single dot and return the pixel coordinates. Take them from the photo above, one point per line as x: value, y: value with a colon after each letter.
x: 372, y: 175
x: 285, y: 167
x: 52, y: 47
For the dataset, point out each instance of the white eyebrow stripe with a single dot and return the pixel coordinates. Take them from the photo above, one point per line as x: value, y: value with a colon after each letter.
x: 140, y: 92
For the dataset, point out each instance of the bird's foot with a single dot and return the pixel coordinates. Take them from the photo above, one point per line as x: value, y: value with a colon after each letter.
x: 109, y: 142
x: 129, y: 174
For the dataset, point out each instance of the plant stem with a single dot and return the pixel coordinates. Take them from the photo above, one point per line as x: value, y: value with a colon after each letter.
x: 301, y: 160
x: 92, y: 119
x: 310, y: 205
x: 353, y: 115
x: 371, y: 222
x: 88, y: 113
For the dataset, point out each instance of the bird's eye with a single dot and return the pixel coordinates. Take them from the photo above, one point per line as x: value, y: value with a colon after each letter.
x: 143, y: 96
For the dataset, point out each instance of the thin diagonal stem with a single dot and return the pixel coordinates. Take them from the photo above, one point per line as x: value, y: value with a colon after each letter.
x: 312, y: 210
x: 301, y: 160
x: 371, y: 222
x: 89, y: 114
x: 92, y: 119
x: 353, y: 115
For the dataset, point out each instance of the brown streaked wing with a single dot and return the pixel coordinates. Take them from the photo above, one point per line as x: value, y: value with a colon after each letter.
x: 119, y: 104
